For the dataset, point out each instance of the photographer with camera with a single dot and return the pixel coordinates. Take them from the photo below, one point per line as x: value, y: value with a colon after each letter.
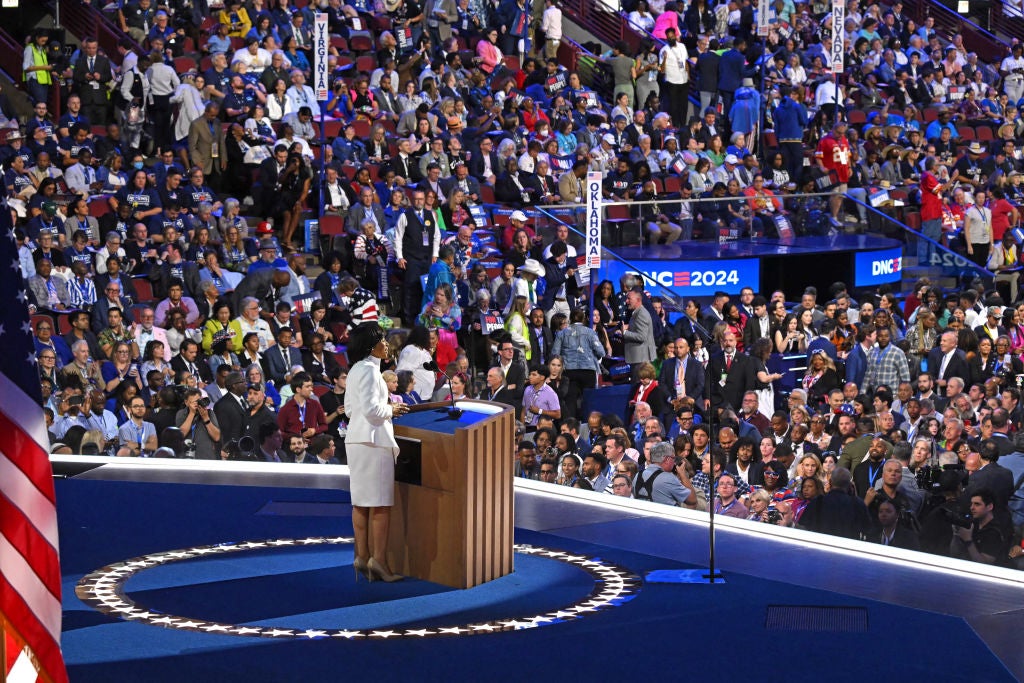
x: 983, y: 540
x: 650, y: 485
x: 199, y: 425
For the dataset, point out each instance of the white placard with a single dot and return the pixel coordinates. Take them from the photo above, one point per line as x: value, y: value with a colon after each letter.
x: 838, y: 32
x: 763, y: 8
x: 321, y: 41
x: 593, y: 221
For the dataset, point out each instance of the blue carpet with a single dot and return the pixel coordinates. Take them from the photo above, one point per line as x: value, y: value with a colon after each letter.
x: 669, y: 631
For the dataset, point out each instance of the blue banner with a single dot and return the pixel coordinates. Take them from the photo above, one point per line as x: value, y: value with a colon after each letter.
x: 692, y: 278
x: 877, y: 267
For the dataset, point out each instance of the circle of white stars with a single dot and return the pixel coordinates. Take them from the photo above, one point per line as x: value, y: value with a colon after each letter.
x: 103, y: 589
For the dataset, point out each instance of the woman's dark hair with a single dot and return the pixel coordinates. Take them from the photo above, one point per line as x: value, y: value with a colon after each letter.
x: 331, y: 258
x: 419, y: 336
x: 73, y: 438
x: 405, y: 380
x: 173, y: 438
x: 147, y: 355
x: 362, y: 340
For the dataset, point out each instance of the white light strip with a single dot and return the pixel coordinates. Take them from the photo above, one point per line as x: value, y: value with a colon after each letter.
x: 797, y: 537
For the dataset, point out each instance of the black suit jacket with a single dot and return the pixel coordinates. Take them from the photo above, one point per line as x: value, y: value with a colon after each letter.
x: 693, y: 379
x: 476, y: 164
x: 319, y: 371
x: 755, y: 475
x: 90, y: 95
x: 127, y: 286
x: 161, y: 279
x: 753, y: 331
x: 739, y: 380
x: 202, y: 367
x: 231, y: 418
x: 548, y: 338
x: 410, y: 169
x: 957, y: 366
x: 98, y: 318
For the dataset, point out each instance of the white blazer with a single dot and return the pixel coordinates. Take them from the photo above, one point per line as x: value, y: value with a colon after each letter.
x: 367, y: 408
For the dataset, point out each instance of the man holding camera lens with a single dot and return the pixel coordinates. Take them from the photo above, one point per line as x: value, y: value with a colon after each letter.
x: 199, y: 425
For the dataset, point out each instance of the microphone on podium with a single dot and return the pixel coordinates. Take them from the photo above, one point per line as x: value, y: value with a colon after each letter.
x: 453, y: 412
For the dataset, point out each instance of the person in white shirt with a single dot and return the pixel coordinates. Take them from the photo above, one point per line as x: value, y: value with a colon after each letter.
x: 673, y: 65
x: 80, y: 176
x: 551, y: 26
x: 255, y: 58
x: 299, y: 94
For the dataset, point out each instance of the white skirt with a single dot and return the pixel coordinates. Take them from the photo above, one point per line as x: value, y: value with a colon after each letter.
x: 372, y: 475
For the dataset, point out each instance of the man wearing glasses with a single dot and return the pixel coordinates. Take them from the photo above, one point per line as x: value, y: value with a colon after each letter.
x: 45, y: 341
x: 548, y: 471
x: 111, y: 299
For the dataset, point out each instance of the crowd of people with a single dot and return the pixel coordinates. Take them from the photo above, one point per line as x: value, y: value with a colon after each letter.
x: 898, y: 421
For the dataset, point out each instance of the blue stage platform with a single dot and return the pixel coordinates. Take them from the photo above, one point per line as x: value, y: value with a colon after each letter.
x: 246, y: 576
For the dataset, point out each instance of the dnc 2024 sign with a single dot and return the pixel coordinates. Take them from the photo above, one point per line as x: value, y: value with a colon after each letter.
x: 877, y: 267
x: 692, y: 278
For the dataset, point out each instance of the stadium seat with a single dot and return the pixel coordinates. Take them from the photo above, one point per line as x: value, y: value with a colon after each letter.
x: 966, y: 133
x: 144, y: 288
x: 856, y: 117
x: 366, y: 63
x: 984, y: 133
x: 332, y: 129
x: 339, y: 43
x: 98, y: 207
x: 331, y: 225
x: 360, y: 43
x: 184, y: 64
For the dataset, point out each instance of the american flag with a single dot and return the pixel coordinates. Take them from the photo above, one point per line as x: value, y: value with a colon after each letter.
x: 29, y: 562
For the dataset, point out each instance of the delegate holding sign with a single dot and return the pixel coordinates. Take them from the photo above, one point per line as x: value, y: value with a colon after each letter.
x: 593, y: 221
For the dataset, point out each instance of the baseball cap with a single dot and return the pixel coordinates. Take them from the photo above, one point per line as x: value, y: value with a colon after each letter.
x: 609, y: 138
x: 731, y: 159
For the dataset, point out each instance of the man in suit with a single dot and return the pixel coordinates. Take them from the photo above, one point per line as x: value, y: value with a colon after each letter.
x: 264, y: 285
x: 407, y: 171
x: 232, y: 410
x: 857, y: 360
x: 497, y: 391
x: 541, y: 338
x: 682, y: 376
x: 280, y: 359
x: 387, y: 101
x: 366, y: 209
x: 732, y: 375
x: 188, y: 360
x: 570, y: 185
x: 49, y: 292
x: 758, y: 325
x: 321, y: 451
x: 462, y: 180
x: 947, y: 361
x: 206, y: 145
x: 593, y: 470
x: 174, y: 260
x: 638, y: 335
x: 111, y: 298
x: 485, y: 171
x: 92, y: 75
x: 707, y: 73
x: 712, y: 313
x: 266, y: 179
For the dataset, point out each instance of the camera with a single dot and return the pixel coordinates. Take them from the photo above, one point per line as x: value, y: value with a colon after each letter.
x: 241, y: 449
x: 204, y: 401
x: 957, y: 518
x: 76, y: 401
x: 774, y: 516
x: 190, y: 449
x: 936, y: 480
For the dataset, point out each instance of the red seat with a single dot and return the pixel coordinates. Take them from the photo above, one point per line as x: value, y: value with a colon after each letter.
x: 486, y: 194
x: 184, y: 64
x: 930, y: 114
x: 99, y: 207
x: 672, y: 183
x: 984, y: 133
x: 41, y: 318
x: 966, y: 133
x: 362, y: 128
x: 360, y: 44
x: 366, y: 63
x: 320, y: 390
x: 339, y: 43
x: 64, y: 323
x: 331, y: 225
x: 144, y: 288
x: 856, y: 116
x: 332, y: 129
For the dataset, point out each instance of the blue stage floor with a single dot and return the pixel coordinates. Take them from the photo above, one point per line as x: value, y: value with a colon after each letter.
x: 893, y: 621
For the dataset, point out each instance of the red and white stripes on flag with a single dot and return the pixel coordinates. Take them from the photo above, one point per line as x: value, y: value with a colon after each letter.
x: 29, y: 561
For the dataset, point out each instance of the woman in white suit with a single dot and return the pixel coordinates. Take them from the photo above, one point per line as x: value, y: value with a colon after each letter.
x: 372, y: 449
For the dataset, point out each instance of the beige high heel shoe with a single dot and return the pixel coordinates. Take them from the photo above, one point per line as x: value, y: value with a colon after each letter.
x: 377, y: 572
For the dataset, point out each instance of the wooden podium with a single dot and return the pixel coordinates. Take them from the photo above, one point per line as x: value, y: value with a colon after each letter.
x: 453, y: 517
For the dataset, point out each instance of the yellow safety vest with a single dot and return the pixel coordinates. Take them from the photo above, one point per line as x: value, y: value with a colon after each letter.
x: 39, y: 59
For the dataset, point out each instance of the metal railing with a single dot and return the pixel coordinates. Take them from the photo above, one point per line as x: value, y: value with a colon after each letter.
x: 83, y: 20
x: 1010, y: 24
x: 948, y: 23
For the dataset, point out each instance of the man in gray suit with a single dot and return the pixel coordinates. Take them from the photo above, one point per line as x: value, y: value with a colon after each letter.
x: 638, y: 335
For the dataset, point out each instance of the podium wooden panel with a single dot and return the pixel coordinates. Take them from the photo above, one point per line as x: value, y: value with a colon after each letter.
x: 455, y: 528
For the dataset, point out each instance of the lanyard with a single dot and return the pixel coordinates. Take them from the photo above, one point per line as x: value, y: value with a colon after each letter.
x: 302, y: 414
